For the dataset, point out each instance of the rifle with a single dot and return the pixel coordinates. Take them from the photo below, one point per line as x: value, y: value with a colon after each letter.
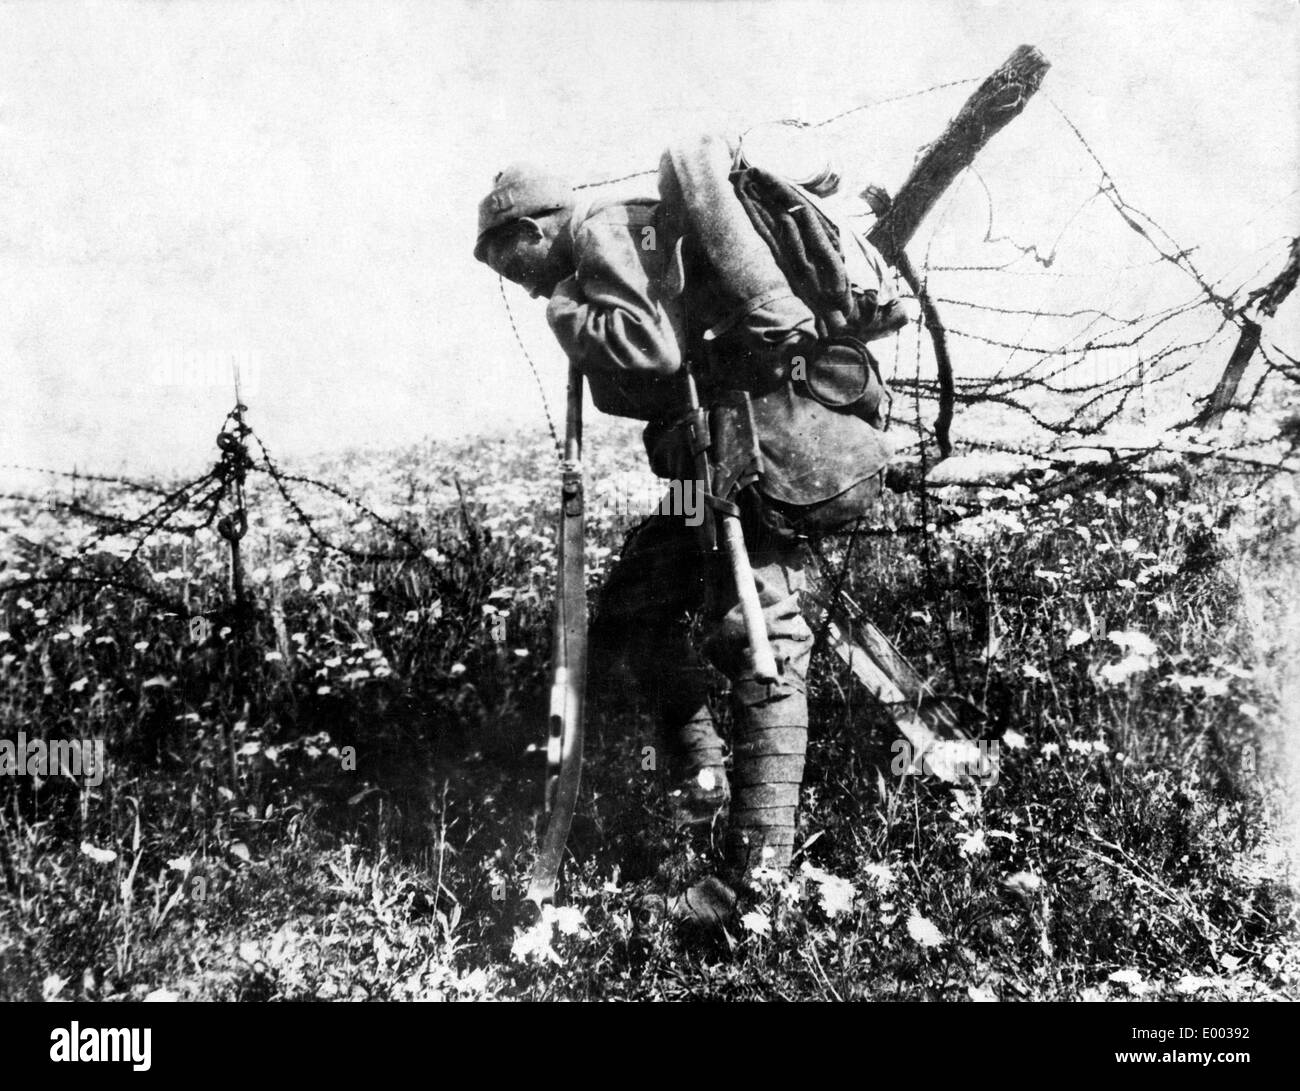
x: 568, y: 659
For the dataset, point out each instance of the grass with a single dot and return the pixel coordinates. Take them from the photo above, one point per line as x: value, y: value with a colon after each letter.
x: 352, y: 813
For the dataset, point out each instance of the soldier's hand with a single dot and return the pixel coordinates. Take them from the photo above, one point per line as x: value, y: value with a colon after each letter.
x: 893, y: 316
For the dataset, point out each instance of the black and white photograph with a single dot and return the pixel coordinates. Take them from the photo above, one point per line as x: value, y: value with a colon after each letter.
x: 650, y: 500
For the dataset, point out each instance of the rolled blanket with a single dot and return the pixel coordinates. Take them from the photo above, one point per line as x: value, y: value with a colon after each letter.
x: 753, y: 295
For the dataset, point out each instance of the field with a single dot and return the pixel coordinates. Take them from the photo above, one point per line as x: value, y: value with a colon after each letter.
x: 344, y: 803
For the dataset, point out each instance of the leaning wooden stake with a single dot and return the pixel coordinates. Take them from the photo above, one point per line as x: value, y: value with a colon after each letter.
x: 996, y: 101
x: 942, y: 358
x: 1267, y: 299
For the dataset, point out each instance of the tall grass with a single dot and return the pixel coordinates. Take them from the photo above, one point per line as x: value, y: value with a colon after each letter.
x: 356, y: 817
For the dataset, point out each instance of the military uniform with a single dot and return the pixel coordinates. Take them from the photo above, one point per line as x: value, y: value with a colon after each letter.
x: 636, y: 306
x: 614, y: 317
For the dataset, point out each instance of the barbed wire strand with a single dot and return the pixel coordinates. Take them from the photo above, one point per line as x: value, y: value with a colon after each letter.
x: 537, y: 377
x: 803, y: 124
x: 1103, y: 399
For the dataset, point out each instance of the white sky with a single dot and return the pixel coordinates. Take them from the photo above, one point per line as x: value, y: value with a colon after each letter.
x: 296, y: 184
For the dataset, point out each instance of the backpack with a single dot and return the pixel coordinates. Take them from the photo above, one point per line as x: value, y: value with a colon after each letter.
x: 808, y: 249
x: 795, y: 396
x: 806, y: 246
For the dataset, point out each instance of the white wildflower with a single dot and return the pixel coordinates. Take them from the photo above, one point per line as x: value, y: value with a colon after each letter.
x: 923, y: 931
x: 100, y: 856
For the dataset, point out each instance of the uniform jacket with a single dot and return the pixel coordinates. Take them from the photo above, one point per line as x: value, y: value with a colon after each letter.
x: 619, y: 318
x: 612, y: 316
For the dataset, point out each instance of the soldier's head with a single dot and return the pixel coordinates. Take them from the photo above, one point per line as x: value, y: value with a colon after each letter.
x: 522, y: 228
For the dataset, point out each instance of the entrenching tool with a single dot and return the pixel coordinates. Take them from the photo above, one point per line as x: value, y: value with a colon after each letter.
x: 722, y: 517
x: 727, y: 517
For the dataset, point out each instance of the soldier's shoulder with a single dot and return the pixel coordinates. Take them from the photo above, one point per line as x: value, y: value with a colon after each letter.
x: 614, y: 212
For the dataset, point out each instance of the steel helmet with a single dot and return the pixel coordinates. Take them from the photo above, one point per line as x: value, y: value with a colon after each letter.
x: 520, y: 191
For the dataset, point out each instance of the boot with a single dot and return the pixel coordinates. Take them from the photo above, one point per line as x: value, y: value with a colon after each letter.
x: 771, y: 741
x: 709, y: 903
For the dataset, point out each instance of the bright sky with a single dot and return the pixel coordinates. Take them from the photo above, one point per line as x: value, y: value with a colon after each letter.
x: 294, y: 185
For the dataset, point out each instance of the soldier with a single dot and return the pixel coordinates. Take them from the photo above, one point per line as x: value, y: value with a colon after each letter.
x: 636, y: 289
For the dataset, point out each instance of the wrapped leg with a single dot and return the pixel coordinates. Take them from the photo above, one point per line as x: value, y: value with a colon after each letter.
x: 771, y: 735
x: 771, y: 741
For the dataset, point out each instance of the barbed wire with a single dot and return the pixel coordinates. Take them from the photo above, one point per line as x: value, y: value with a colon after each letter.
x: 894, y: 98
x: 414, y: 552
x: 72, y: 571
x: 1105, y: 330
x: 81, y: 475
x: 223, y: 484
x: 875, y: 103
x: 537, y: 377
x: 1163, y: 348
x: 615, y: 181
x: 1181, y: 257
